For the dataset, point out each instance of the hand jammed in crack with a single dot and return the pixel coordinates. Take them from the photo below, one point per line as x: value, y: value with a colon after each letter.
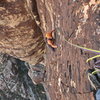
x: 50, y: 39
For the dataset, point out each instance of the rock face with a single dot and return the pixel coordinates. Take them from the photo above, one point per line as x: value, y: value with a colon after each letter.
x: 79, y: 22
x: 20, y: 34
x: 15, y: 84
x: 76, y: 20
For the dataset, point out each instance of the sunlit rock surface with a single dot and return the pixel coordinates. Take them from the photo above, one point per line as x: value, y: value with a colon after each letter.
x: 20, y: 34
x: 79, y: 22
x: 76, y: 20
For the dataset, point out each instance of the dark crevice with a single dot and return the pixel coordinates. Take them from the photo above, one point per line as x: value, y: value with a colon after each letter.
x: 35, y: 10
x: 70, y: 72
x: 81, y: 51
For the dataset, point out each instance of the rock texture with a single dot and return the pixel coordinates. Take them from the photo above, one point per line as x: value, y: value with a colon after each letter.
x: 15, y: 84
x: 79, y: 22
x: 20, y: 34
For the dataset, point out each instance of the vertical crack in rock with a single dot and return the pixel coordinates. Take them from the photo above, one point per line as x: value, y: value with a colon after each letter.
x: 31, y: 6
